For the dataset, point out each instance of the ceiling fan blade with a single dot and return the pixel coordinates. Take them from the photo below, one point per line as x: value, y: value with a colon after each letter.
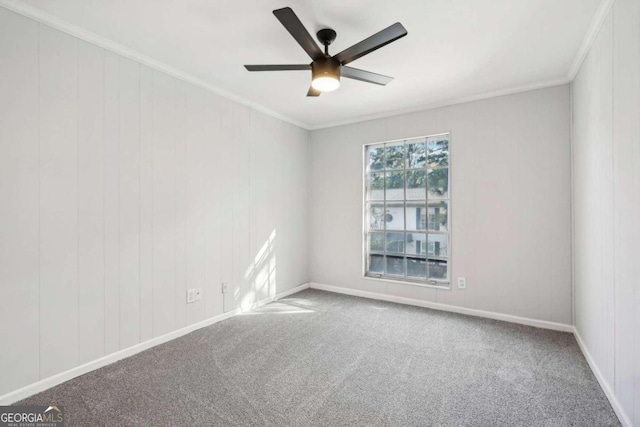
x: 368, y: 45
x: 313, y: 92
x: 288, y: 18
x: 292, y: 67
x: 365, y: 76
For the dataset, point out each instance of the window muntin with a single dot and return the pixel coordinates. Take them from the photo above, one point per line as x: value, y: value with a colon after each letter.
x: 407, y: 210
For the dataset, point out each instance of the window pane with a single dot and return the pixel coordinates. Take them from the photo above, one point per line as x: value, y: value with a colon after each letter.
x: 438, y: 245
x: 416, y: 185
x: 416, y: 155
x: 395, y: 265
x: 395, y: 185
x: 376, y: 215
x: 438, y: 269
x: 416, y: 244
x: 437, y: 152
x: 394, y: 216
x: 395, y: 243
x: 416, y: 268
x: 376, y: 242
x: 438, y: 216
x: 375, y: 157
x: 416, y: 216
x: 438, y: 183
x: 376, y: 264
x: 394, y: 155
x: 407, y: 209
x: 375, y: 186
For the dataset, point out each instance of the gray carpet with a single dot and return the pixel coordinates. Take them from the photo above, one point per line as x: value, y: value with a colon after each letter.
x: 324, y: 359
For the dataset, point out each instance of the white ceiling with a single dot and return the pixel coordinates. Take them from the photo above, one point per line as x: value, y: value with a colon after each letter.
x: 455, y: 49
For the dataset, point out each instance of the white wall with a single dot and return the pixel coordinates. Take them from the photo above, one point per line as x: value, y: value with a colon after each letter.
x: 606, y: 195
x: 511, y: 213
x: 120, y: 187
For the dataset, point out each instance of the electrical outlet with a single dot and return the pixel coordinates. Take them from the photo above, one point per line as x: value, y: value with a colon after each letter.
x: 191, y: 296
x: 198, y: 294
x: 225, y: 287
x: 462, y: 283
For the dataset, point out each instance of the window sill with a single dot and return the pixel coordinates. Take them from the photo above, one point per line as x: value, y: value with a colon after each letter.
x: 436, y: 284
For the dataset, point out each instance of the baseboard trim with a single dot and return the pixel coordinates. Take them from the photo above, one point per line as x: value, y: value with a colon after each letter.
x: 267, y: 300
x: 44, y: 384
x: 62, y: 377
x: 292, y: 291
x: 608, y: 391
x: 445, y: 307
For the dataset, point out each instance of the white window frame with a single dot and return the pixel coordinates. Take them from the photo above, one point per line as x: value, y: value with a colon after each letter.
x: 444, y: 284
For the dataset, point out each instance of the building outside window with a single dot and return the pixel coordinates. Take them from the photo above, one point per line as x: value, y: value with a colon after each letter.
x: 406, y: 210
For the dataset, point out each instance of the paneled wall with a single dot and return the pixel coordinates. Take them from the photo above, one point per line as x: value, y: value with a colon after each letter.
x: 121, y: 187
x: 606, y: 196
x: 510, y: 205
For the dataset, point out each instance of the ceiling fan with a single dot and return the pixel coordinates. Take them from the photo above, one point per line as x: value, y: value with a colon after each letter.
x: 326, y: 70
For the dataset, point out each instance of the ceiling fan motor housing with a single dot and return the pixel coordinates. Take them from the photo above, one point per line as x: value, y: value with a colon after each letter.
x: 327, y: 67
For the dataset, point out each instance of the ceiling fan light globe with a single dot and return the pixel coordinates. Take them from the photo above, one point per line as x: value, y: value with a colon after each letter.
x: 325, y: 83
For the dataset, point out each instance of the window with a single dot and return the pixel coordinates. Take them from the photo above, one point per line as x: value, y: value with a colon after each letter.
x: 407, y: 205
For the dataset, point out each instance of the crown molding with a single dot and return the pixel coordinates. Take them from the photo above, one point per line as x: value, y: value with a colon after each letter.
x: 590, y: 37
x: 38, y: 15
x: 97, y: 40
x: 454, y: 101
